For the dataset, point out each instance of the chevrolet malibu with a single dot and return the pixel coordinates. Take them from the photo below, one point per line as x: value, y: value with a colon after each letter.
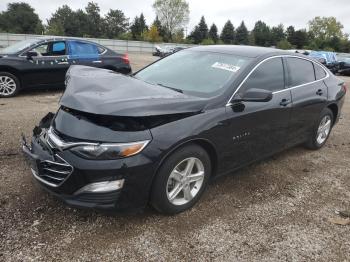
x: 159, y: 136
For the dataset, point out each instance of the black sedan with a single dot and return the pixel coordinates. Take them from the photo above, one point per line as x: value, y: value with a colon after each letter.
x: 120, y: 142
x: 44, y: 62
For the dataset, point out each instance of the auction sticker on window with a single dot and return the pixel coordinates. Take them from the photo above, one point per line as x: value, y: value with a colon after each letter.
x: 227, y: 67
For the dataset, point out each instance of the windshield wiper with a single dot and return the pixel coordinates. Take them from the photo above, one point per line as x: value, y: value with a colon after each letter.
x: 172, y: 88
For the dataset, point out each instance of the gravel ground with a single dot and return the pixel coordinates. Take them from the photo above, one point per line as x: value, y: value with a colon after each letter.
x: 278, y: 209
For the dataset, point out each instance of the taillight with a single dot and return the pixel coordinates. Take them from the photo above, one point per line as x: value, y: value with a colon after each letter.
x: 125, y: 59
x: 345, y: 88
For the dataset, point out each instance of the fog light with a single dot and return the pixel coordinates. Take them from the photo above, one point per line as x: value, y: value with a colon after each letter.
x: 101, y: 187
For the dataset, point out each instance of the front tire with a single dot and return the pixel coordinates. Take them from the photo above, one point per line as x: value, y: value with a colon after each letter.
x: 181, y: 180
x: 322, y: 130
x: 9, y: 84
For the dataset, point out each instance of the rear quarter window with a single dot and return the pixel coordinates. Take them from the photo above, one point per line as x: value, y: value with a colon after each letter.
x: 301, y: 71
x: 319, y: 72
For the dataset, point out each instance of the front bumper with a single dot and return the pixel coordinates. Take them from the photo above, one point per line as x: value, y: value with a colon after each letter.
x: 66, y: 176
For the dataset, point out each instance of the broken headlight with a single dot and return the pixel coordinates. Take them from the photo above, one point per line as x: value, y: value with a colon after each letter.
x: 109, y: 151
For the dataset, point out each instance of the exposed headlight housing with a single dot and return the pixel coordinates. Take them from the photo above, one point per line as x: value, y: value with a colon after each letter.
x: 100, y: 151
x: 109, y: 151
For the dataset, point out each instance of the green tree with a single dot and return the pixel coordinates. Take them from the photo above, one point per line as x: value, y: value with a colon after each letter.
x: 242, y: 34
x: 228, y: 33
x: 115, y: 23
x: 138, y: 27
x: 251, y: 38
x: 179, y: 36
x: 20, y: 18
x: 277, y: 34
x: 55, y: 28
x: 173, y: 14
x: 81, y: 22
x: 290, y: 34
x: 195, y: 35
x: 94, y: 20
x: 325, y: 28
x: 213, y: 33
x: 200, y: 32
x: 301, y: 39
x: 153, y: 35
x: 262, y: 34
x: 203, y: 29
x: 161, y: 30
x: 284, y: 44
x: 208, y: 41
x: 64, y: 19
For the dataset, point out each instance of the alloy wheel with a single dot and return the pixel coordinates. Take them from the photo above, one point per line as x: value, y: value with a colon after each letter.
x: 185, y: 181
x: 7, y: 85
x: 324, y: 129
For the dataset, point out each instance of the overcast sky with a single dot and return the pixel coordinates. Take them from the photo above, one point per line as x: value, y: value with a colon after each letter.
x: 273, y: 12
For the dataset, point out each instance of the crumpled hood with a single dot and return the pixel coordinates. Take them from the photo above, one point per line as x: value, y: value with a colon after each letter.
x: 105, y: 92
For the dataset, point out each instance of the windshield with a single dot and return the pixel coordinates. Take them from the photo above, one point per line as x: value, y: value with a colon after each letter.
x: 19, y: 46
x: 200, y: 72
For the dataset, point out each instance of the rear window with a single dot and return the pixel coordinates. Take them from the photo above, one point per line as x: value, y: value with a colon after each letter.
x: 319, y: 71
x: 300, y: 71
x: 83, y: 49
x: 200, y: 72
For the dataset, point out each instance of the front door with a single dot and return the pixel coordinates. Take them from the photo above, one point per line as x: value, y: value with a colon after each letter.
x: 259, y: 129
x: 49, y: 66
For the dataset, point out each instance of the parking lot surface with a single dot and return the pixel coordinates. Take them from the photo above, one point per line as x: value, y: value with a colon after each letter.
x: 277, y: 209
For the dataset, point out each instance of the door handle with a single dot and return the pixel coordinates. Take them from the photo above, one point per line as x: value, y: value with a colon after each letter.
x: 62, y: 63
x: 97, y: 61
x: 285, y: 102
x: 319, y: 92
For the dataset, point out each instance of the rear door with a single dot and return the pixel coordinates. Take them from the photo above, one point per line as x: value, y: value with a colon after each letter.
x: 259, y: 129
x: 309, y: 96
x: 84, y: 53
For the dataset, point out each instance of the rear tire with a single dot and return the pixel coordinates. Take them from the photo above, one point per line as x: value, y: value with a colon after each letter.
x: 9, y: 84
x: 321, y: 131
x: 181, y: 180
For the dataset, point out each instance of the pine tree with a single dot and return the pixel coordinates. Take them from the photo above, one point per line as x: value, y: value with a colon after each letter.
x: 228, y: 33
x: 213, y: 33
x: 242, y: 34
x: 203, y: 29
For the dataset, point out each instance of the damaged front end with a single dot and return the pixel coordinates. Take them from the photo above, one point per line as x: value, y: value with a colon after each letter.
x: 98, y: 161
x: 46, y: 166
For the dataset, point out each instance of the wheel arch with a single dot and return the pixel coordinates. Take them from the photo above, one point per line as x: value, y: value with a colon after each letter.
x: 202, y: 142
x: 334, y: 108
x: 13, y: 71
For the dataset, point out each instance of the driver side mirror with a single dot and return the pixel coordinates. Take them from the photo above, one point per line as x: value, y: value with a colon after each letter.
x: 254, y: 95
x: 30, y: 54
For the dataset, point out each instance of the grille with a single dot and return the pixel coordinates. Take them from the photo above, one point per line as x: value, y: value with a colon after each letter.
x: 54, y: 173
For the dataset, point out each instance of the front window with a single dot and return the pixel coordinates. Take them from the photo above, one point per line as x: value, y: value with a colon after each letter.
x: 269, y: 76
x: 203, y: 73
x: 19, y: 46
x: 50, y: 49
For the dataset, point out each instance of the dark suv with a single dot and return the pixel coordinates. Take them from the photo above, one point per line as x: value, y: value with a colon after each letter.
x: 43, y: 62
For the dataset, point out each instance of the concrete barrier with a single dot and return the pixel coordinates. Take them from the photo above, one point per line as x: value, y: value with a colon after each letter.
x: 7, y: 39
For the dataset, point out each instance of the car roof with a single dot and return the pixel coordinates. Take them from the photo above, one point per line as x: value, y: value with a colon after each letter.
x: 62, y: 38
x: 247, y: 51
